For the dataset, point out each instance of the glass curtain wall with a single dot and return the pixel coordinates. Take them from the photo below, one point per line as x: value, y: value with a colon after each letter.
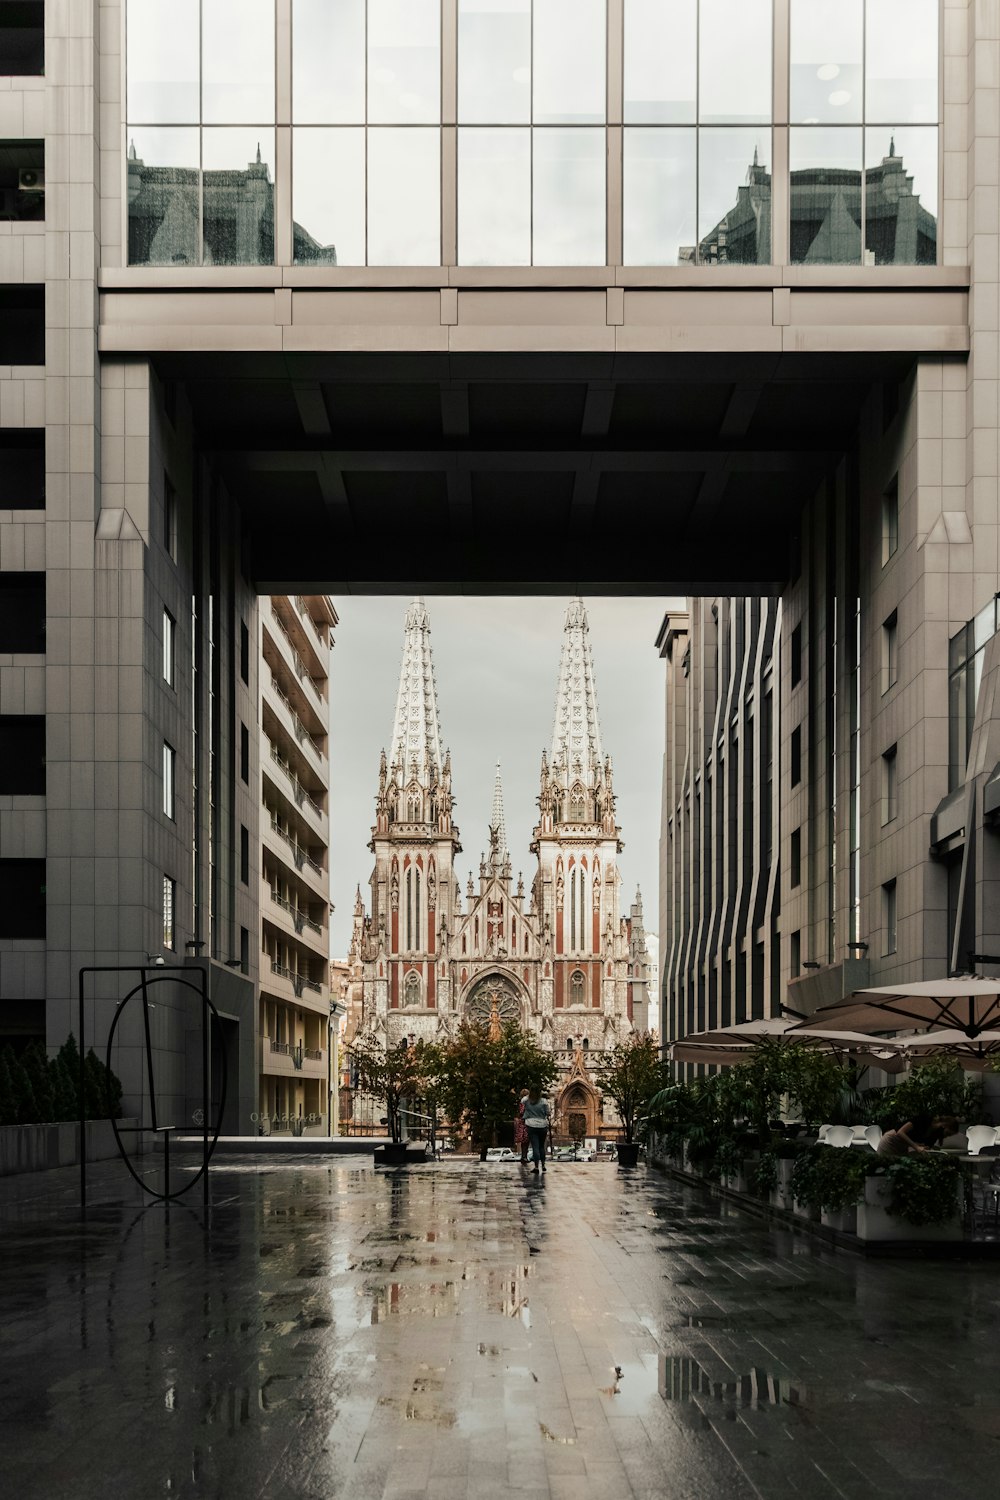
x: 863, y: 139
x: 532, y: 91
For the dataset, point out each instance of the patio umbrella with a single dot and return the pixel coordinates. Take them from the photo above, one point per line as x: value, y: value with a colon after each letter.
x: 727, y: 1045
x: 970, y: 1006
x: 976, y: 1053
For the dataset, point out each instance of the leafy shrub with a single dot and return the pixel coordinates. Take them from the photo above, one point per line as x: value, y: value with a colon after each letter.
x: 829, y: 1178
x: 924, y: 1188
x: 36, y: 1090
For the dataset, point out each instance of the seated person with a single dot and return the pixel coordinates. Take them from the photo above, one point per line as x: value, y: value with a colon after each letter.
x: 922, y: 1133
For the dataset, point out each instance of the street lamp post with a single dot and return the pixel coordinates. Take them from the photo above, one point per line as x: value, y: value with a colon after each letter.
x: 337, y: 1009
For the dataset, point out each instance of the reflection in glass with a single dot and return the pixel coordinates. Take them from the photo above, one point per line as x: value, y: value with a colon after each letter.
x: 661, y: 61
x: 659, y: 183
x: 901, y: 60
x: 901, y: 180
x: 162, y: 61
x: 568, y: 76
x: 568, y: 198
x: 328, y: 62
x: 826, y: 42
x: 328, y: 197
x: 494, y: 197
x: 237, y: 64
x: 494, y: 62
x: 162, y: 197
x: 404, y: 197
x: 825, y: 167
x: 734, y: 197
x: 735, y: 61
x: 238, y: 197
x: 404, y: 61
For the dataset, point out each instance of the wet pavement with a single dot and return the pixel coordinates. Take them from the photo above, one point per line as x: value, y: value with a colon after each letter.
x: 453, y: 1330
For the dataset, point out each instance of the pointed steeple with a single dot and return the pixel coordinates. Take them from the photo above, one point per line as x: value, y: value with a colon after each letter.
x: 497, y: 823
x: 416, y: 735
x: 576, y: 733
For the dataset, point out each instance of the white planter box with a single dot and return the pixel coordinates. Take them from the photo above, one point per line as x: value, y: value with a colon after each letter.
x: 781, y: 1193
x: 876, y: 1223
x: 844, y: 1220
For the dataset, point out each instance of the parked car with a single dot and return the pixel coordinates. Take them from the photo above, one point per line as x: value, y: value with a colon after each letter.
x: 573, y: 1153
x: 502, y: 1153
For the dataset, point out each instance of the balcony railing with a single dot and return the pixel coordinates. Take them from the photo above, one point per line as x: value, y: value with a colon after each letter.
x: 301, y: 732
x: 302, y: 671
x: 302, y: 797
x: 296, y: 913
x: 298, y: 981
x: 299, y: 854
x: 303, y: 609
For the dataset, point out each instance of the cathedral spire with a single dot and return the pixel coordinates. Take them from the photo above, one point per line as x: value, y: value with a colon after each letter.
x: 497, y: 823
x: 576, y: 733
x: 416, y: 735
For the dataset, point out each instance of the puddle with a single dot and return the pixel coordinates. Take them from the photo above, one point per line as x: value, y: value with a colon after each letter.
x: 683, y: 1379
x: 436, y: 1299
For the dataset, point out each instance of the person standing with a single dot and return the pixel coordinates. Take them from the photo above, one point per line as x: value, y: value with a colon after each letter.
x: 536, y: 1118
x: 520, y: 1129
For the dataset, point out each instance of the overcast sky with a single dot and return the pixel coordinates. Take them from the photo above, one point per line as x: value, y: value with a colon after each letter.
x: 497, y: 665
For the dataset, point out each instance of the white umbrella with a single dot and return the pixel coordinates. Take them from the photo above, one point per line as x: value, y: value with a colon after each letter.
x: 970, y: 1006
x: 727, y: 1045
x: 975, y: 1053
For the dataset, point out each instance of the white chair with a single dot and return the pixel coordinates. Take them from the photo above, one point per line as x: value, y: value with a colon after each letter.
x: 873, y: 1134
x: 822, y: 1133
x: 979, y: 1137
x: 839, y: 1135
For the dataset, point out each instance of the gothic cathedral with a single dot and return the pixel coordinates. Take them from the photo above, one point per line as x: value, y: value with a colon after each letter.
x: 559, y: 959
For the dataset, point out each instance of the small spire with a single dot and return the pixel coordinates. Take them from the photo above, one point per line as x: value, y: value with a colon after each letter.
x: 258, y: 153
x: 498, y: 826
x: 892, y: 145
x: 755, y: 161
x: 131, y: 150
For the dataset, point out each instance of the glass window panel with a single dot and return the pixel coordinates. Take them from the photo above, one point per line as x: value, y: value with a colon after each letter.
x: 825, y: 167
x: 661, y: 61
x: 404, y: 61
x: 568, y: 198
x: 328, y: 196
x: 238, y: 191
x: 568, y: 82
x: 735, y: 61
x: 404, y: 197
x: 734, y: 196
x: 659, y: 184
x: 494, y: 62
x: 237, y: 61
x: 901, y: 184
x: 494, y: 197
x: 826, y: 51
x: 162, y: 61
x: 901, y: 61
x: 328, y: 62
x: 162, y: 196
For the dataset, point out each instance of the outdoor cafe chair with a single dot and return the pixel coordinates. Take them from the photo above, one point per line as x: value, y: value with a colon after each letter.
x: 980, y: 1137
x: 823, y: 1131
x: 873, y: 1134
x: 839, y: 1135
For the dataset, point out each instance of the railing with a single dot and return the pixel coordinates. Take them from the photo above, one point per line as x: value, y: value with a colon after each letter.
x: 302, y: 671
x: 299, y: 791
x: 284, y: 1048
x: 300, y: 605
x: 301, y: 732
x: 313, y: 1054
x: 296, y: 913
x: 299, y: 854
x: 298, y: 981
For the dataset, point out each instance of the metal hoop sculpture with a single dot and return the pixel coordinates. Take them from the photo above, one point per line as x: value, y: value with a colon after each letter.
x: 142, y: 988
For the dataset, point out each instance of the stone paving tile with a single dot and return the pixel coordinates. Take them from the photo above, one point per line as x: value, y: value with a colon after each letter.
x: 455, y: 1332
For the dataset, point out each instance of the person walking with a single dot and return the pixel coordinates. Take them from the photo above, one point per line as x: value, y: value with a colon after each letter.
x: 536, y: 1118
x: 520, y: 1129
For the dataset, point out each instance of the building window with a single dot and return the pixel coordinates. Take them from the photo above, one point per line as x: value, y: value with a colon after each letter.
x: 245, y: 950
x: 169, y: 627
x: 412, y: 909
x: 795, y: 860
x: 795, y: 954
x: 22, y: 165
x: 795, y: 756
x: 169, y: 903
x: 577, y: 988
x: 965, y: 670
x: 22, y: 463
x: 244, y: 652
x: 696, y: 147
x: 245, y: 754
x: 22, y: 755
x: 411, y: 988
x: 796, y: 654
x: 889, y: 785
x: 169, y: 760
x: 890, y: 520
x: 244, y: 854
x: 890, y: 661
x: 22, y: 612
x: 22, y: 898
x: 169, y: 519
x: 889, y: 917
x: 22, y: 39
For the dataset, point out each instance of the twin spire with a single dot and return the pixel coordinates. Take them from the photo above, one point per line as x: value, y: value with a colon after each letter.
x: 576, y: 733
x: 416, y: 734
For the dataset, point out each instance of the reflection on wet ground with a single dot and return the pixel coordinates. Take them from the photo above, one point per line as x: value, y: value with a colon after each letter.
x: 451, y: 1331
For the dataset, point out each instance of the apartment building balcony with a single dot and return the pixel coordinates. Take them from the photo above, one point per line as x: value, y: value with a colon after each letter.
x: 319, y: 638
x: 278, y: 640
x: 292, y: 1059
x: 286, y: 784
x: 280, y: 704
x: 291, y: 921
x: 294, y: 987
x: 289, y: 851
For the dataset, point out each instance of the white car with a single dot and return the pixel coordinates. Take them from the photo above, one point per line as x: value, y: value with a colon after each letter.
x: 502, y: 1153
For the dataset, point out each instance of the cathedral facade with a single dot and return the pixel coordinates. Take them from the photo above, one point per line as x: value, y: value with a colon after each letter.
x: 558, y: 957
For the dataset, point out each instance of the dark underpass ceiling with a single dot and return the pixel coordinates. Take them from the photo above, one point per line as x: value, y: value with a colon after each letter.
x: 525, y: 474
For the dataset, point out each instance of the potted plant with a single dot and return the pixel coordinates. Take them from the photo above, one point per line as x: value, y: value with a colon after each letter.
x: 392, y: 1074
x: 631, y: 1076
x: 481, y: 1075
x: 916, y: 1198
x: 829, y: 1180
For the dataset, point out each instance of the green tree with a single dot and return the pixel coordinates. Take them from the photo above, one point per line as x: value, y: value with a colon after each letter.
x: 36, y: 1066
x: 393, y: 1074
x: 481, y: 1077
x: 8, y: 1104
x: 631, y: 1074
